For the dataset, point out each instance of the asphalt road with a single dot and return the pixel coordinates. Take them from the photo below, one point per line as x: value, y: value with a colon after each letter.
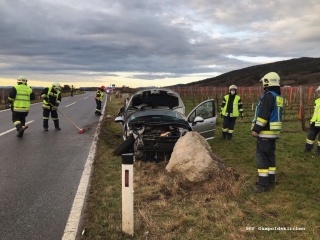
x: 40, y: 173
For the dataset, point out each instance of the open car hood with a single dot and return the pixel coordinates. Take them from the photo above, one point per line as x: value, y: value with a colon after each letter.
x: 157, y: 98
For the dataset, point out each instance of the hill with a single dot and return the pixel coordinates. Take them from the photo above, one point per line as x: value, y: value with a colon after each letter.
x: 293, y: 72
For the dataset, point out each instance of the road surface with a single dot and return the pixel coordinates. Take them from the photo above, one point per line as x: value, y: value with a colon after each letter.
x: 40, y: 173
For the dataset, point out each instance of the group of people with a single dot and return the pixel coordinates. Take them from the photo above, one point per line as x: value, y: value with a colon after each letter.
x: 266, y: 126
x: 20, y: 97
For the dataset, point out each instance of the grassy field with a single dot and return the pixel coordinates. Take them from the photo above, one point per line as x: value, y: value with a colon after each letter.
x: 166, y: 207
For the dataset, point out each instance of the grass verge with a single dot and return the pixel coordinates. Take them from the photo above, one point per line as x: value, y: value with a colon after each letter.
x: 166, y: 207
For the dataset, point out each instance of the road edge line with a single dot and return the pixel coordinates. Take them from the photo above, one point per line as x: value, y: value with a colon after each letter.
x: 72, y: 226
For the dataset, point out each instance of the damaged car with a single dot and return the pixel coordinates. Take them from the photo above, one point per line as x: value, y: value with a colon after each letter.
x: 153, y: 120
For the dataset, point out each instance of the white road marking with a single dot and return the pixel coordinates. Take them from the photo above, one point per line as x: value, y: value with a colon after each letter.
x: 85, y: 97
x: 13, y: 129
x: 70, y: 104
x: 73, y: 222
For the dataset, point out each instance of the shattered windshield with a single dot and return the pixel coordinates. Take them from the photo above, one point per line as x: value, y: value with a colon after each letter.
x: 157, y: 116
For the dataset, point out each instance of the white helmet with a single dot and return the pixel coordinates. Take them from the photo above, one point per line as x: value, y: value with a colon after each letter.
x: 22, y: 79
x: 232, y: 87
x: 270, y: 80
x: 318, y: 89
x: 56, y: 86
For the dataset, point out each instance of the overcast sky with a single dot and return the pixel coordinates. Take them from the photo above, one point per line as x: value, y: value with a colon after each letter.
x: 150, y: 42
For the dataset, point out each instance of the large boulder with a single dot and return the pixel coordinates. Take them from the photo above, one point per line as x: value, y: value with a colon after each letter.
x: 193, y: 159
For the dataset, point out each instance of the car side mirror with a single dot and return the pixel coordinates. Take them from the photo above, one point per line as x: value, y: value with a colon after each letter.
x: 197, y: 119
x: 119, y: 119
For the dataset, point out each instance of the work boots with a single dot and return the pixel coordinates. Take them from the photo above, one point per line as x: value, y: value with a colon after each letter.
x: 56, y: 124
x: 261, y: 188
x: 20, y: 132
x: 224, y: 135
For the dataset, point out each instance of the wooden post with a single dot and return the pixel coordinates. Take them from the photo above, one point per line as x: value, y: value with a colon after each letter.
x: 127, y: 194
x: 302, y: 108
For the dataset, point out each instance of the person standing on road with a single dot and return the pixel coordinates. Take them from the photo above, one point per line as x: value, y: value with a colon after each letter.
x: 51, y: 99
x: 267, y: 125
x: 99, y: 98
x: 71, y: 90
x: 231, y: 108
x: 19, y: 99
x: 314, y: 128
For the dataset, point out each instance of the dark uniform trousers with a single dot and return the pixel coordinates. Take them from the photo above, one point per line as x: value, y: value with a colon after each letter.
x: 19, y: 119
x: 54, y: 116
x: 311, y: 136
x: 98, y: 106
x: 266, y: 160
x: 228, y: 126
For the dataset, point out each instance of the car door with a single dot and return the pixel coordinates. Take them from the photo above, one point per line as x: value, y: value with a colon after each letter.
x: 207, y: 111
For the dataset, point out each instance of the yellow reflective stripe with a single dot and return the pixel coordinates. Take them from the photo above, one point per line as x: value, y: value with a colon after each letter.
x: 230, y: 131
x: 266, y: 132
x: 17, y: 122
x: 262, y: 120
x: 17, y: 109
x: 55, y: 118
x: 275, y: 125
x: 272, y: 168
x: 308, y: 141
x: 263, y: 170
x: 45, y: 118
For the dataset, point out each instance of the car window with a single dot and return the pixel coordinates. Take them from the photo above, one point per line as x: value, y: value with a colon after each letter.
x: 205, y: 110
x: 162, y: 115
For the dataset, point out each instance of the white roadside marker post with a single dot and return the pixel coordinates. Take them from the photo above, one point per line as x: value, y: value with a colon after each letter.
x: 127, y: 193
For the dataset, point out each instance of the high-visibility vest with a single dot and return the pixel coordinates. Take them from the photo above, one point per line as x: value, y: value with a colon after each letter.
x: 235, y: 108
x: 45, y: 104
x: 316, y: 114
x: 22, y: 100
x: 101, y: 95
x: 273, y: 127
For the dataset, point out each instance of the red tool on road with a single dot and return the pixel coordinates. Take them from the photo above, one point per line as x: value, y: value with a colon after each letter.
x: 80, y: 129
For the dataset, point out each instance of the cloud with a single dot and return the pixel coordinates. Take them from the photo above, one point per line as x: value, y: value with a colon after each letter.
x: 48, y: 38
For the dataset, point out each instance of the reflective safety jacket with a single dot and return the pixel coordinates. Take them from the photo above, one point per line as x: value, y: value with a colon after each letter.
x: 99, y: 95
x: 316, y: 114
x: 236, y: 106
x: 54, y: 98
x: 268, y: 122
x: 21, y: 100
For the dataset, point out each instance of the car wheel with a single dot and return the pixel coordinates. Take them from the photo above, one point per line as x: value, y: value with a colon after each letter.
x: 125, y: 147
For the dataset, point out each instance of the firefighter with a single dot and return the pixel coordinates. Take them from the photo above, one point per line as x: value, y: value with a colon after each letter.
x: 99, y: 99
x: 71, y: 90
x: 231, y: 108
x: 314, y: 128
x: 266, y: 127
x: 19, y: 99
x: 51, y: 99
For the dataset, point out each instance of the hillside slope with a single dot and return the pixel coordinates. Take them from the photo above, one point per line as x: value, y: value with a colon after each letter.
x: 293, y: 72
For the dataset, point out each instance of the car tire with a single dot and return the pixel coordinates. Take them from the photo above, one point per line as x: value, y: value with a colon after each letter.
x: 125, y: 147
